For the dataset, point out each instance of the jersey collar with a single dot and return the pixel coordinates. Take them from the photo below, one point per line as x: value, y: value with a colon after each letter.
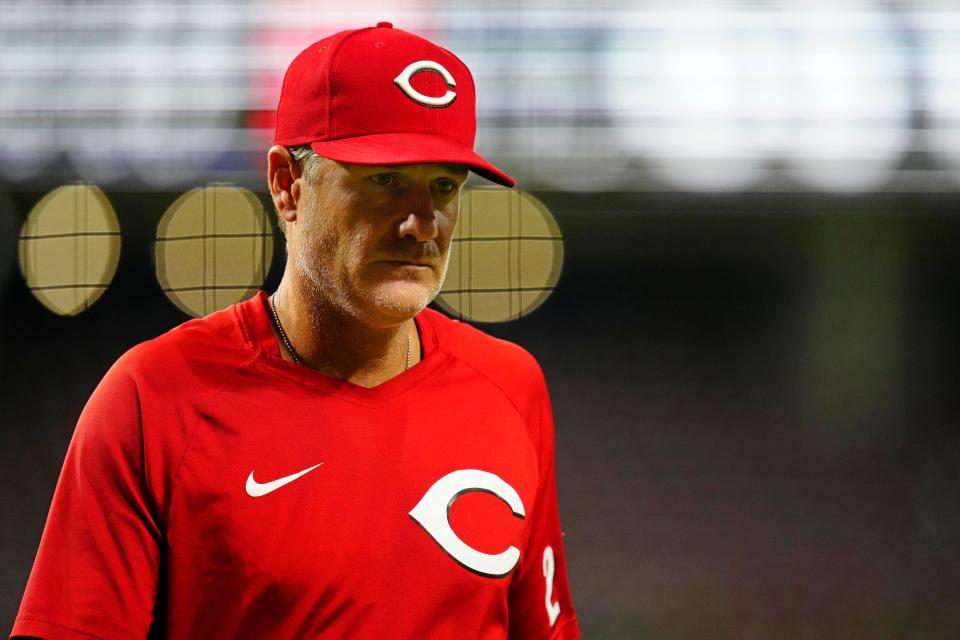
x: 253, y: 315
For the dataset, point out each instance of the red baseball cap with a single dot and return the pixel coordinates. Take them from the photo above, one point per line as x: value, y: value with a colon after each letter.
x: 381, y: 95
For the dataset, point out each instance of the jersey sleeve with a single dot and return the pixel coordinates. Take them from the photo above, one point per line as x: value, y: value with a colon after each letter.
x: 96, y: 571
x: 540, y: 603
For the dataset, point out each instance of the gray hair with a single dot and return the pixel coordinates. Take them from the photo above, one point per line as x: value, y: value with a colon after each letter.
x: 309, y: 163
x: 307, y: 158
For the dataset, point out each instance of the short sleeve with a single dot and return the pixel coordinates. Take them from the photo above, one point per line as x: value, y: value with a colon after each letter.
x: 96, y: 571
x: 540, y: 603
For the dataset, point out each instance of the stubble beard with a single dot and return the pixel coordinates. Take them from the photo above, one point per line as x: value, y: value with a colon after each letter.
x: 326, y: 291
x: 405, y: 307
x: 313, y: 285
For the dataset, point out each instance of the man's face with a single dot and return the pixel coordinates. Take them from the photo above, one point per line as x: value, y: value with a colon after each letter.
x: 360, y: 228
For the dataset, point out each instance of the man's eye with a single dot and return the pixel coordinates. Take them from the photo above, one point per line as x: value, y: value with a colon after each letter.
x: 382, y: 179
x: 446, y: 186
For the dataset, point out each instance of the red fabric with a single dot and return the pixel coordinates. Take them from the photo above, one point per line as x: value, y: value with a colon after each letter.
x: 405, y: 148
x: 343, y: 89
x: 152, y: 530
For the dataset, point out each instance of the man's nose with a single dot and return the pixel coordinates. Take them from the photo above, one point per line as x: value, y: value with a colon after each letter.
x: 421, y: 220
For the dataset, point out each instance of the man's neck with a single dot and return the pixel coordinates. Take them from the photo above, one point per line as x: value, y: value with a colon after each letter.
x: 341, y: 346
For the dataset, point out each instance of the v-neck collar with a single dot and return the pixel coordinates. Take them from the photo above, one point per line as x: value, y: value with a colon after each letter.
x: 253, y: 315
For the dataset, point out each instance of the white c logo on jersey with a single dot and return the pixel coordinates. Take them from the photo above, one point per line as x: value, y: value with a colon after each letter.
x: 403, y: 81
x: 433, y: 514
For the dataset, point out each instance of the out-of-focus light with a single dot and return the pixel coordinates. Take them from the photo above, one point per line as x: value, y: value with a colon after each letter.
x: 938, y: 29
x: 722, y: 95
x: 849, y: 96
x: 25, y: 132
x: 505, y: 259
x: 674, y: 98
x: 190, y: 81
x: 70, y: 248
x: 713, y: 104
x: 214, y: 247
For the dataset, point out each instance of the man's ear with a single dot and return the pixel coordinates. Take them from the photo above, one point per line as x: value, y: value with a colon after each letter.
x: 283, y: 175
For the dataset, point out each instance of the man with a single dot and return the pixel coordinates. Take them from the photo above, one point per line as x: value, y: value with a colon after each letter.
x: 335, y: 460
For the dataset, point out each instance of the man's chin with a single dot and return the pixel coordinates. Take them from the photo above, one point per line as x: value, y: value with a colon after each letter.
x: 398, y: 301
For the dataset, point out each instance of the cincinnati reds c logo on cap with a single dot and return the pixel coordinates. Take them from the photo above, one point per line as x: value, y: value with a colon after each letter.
x: 403, y: 81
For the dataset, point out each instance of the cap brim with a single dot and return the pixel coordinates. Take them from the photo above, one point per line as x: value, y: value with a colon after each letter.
x: 409, y: 148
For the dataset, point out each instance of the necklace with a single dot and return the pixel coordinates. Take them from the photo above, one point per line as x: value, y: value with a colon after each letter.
x: 293, y: 352
x: 283, y: 334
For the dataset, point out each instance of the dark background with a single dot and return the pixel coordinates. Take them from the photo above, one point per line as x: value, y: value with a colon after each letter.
x: 755, y: 401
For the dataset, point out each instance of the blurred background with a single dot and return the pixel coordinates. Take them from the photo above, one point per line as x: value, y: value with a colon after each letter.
x: 753, y: 345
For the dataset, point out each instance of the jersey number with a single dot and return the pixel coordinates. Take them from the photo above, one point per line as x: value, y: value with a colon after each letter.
x: 549, y: 568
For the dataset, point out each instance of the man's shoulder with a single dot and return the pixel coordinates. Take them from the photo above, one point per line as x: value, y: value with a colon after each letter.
x: 506, y: 363
x: 199, y: 344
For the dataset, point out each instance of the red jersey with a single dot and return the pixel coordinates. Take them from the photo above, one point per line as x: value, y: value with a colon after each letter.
x: 214, y: 490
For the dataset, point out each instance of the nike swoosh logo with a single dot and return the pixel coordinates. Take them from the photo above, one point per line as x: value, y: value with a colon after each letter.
x: 255, y: 489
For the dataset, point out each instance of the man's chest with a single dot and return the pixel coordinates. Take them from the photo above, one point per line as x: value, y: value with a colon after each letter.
x: 339, y: 503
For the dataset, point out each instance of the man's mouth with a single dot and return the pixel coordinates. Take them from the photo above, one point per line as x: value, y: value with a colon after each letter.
x: 408, y: 263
